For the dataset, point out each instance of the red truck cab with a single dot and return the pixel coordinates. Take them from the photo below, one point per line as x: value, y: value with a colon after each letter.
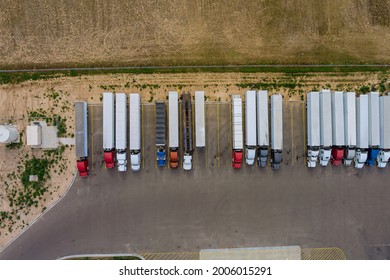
x: 337, y: 156
x: 109, y: 159
x: 82, y: 166
x: 237, y: 159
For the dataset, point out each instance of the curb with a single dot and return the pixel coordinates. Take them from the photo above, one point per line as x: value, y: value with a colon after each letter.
x: 41, y: 215
x: 100, y: 255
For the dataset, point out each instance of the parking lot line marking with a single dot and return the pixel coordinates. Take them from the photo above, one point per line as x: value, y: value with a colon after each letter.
x: 180, y: 149
x: 92, y: 138
x: 218, y: 157
x: 142, y: 136
x: 193, y: 131
x: 304, y: 129
x: 155, y: 161
x: 206, y: 151
x: 292, y: 134
x: 231, y: 136
x: 168, y: 154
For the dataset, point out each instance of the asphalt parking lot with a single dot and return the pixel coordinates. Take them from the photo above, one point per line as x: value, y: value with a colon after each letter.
x: 214, y: 206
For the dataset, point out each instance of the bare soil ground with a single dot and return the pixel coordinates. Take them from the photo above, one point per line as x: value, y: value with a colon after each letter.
x: 67, y: 33
x: 17, y: 210
x: 19, y: 100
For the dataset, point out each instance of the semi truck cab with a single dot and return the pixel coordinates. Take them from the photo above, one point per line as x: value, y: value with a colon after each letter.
x: 109, y: 159
x: 135, y: 160
x: 174, y: 159
x: 372, y: 156
x: 187, y: 162
x: 262, y: 157
x: 383, y: 158
x: 82, y: 167
x: 312, y: 156
x: 237, y: 159
x: 250, y: 154
x: 337, y: 156
x: 349, y: 156
x: 161, y: 157
x: 360, y: 159
x: 324, y: 156
x: 276, y: 159
x: 122, y: 161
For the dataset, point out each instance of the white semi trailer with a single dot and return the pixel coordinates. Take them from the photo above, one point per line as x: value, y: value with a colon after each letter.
x: 238, y: 143
x: 313, y: 128
x: 135, y: 131
x: 262, y: 127
x: 338, y: 128
x: 349, y: 127
x: 250, y: 127
x: 361, y: 131
x: 325, y: 127
x: 173, y: 129
x: 384, y: 147
x: 200, y: 129
x: 109, y: 129
x: 121, y: 131
x: 276, y: 131
x: 373, y: 128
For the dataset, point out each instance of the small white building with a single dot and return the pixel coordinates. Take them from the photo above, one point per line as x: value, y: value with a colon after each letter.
x: 34, y: 135
x: 39, y: 135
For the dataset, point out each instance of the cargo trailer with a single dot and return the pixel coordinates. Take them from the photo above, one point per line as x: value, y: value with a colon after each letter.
x: 338, y: 128
x: 262, y: 127
x: 250, y: 127
x: 187, y: 131
x: 109, y: 129
x: 121, y: 131
x: 173, y: 129
x: 135, y: 131
x: 384, y: 147
x: 160, y: 133
x: 200, y: 129
x: 238, y: 143
x: 276, y: 131
x: 313, y: 128
x: 81, y: 135
x: 361, y: 131
x: 349, y: 127
x: 326, y: 130
x: 373, y: 128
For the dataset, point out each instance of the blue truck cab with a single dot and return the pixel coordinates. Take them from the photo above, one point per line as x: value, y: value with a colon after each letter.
x: 372, y: 155
x: 161, y: 158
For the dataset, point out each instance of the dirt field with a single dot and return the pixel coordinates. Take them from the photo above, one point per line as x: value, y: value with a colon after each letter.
x: 67, y: 33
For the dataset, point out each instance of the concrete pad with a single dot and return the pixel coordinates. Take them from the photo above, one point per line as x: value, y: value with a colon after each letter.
x: 67, y: 141
x: 49, y: 137
x: 255, y: 253
x: 33, y: 178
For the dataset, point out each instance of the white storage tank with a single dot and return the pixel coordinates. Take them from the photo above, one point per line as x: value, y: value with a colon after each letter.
x: 8, y: 134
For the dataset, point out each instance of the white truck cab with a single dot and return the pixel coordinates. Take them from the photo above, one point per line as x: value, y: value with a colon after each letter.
x: 122, y: 162
x: 135, y: 160
x: 187, y: 162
